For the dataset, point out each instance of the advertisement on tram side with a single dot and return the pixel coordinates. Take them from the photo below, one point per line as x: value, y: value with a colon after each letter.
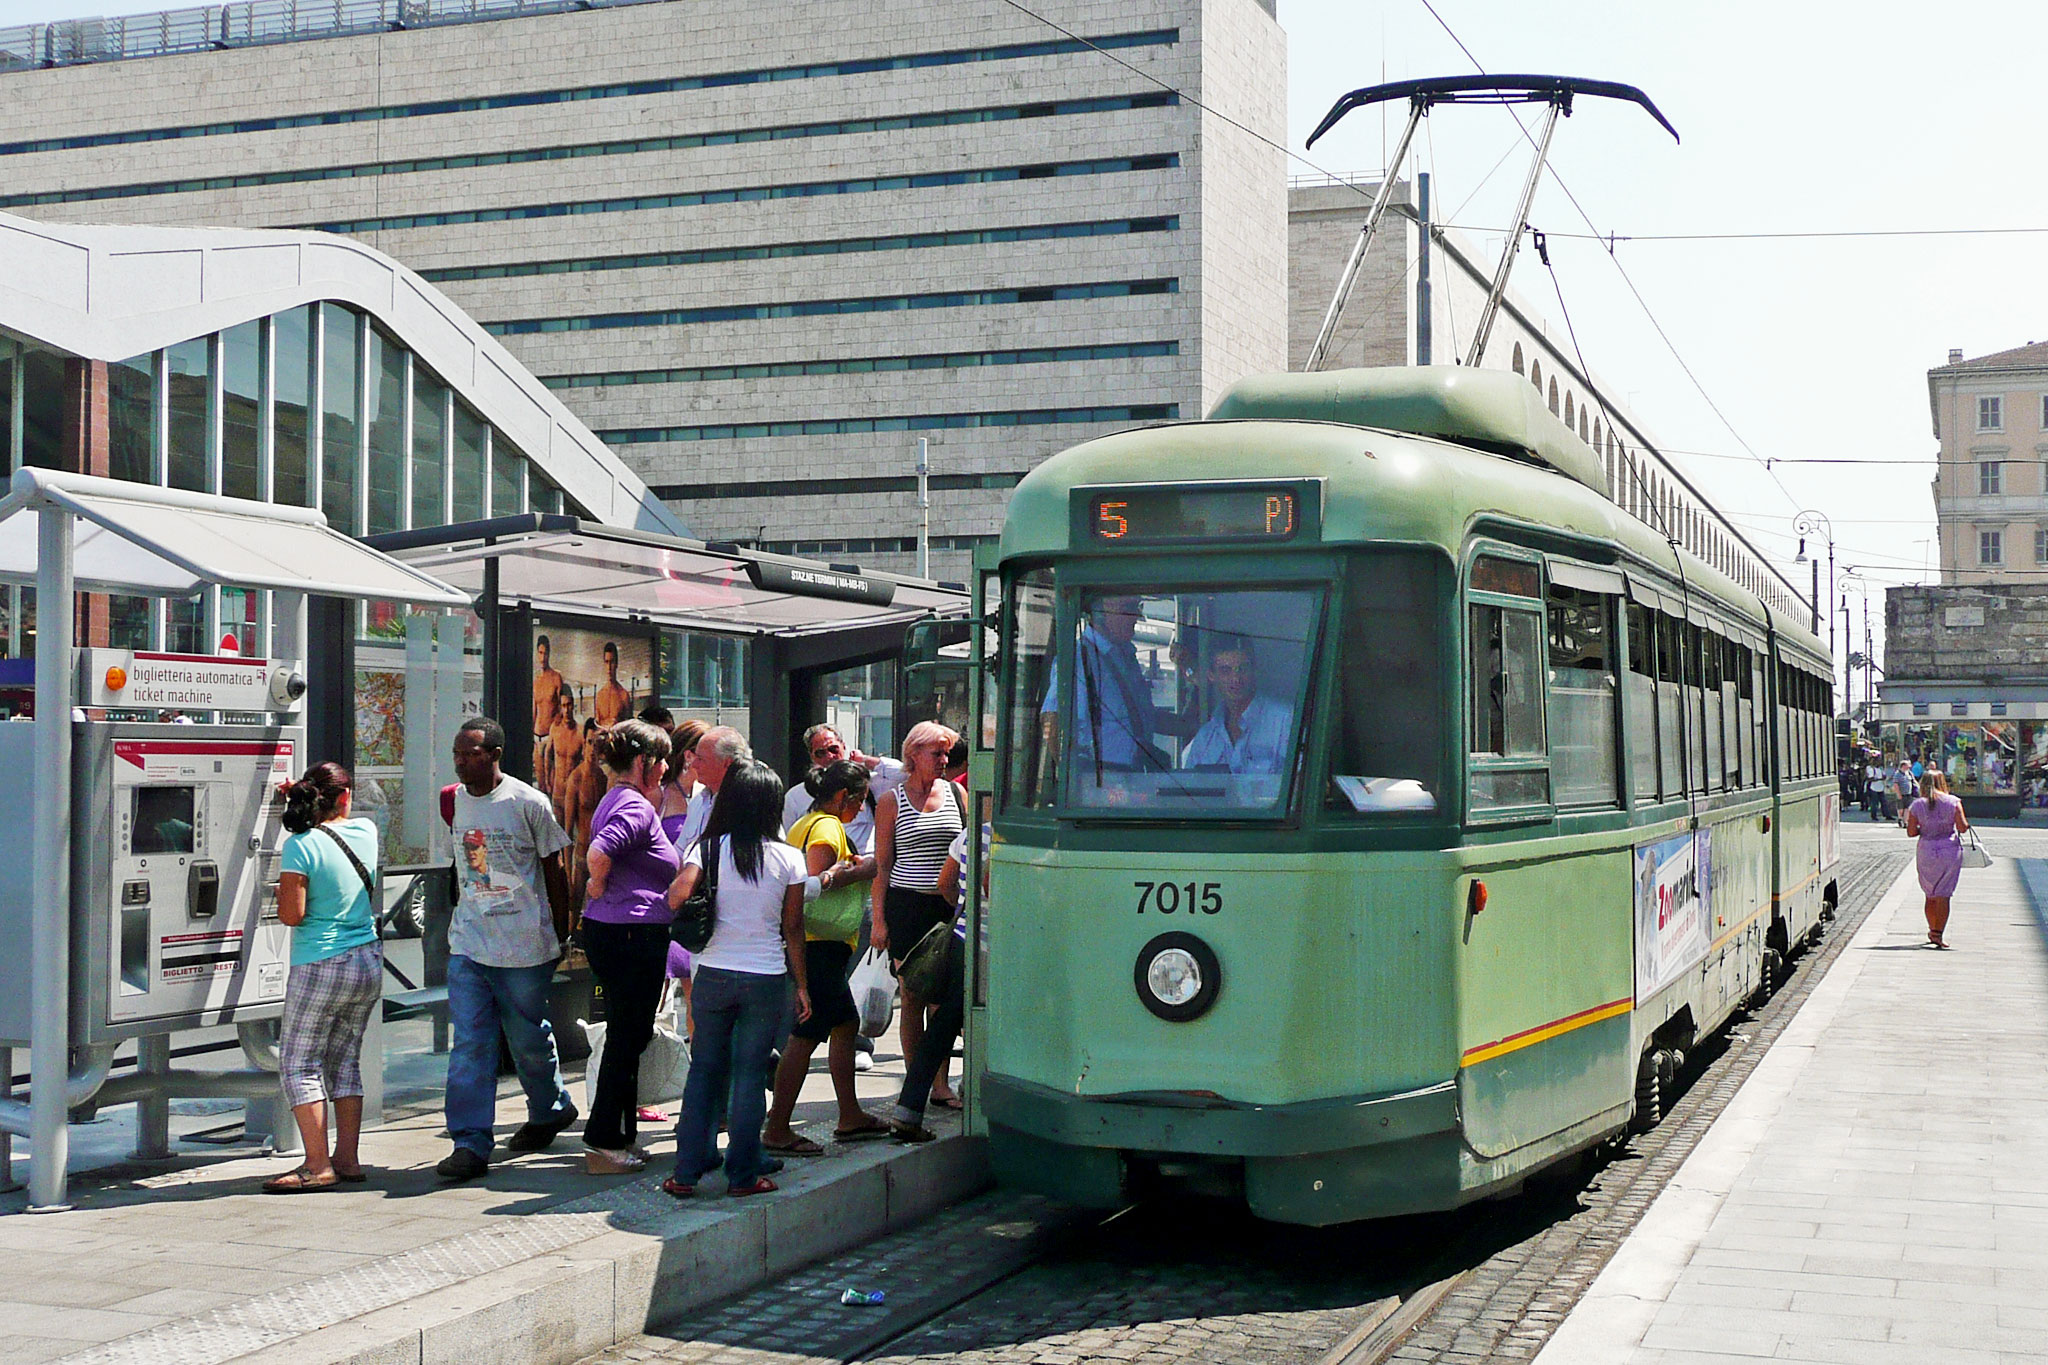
x: 1830, y: 829
x: 1674, y: 884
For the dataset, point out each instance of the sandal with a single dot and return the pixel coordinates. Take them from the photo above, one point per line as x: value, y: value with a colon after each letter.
x: 676, y: 1189
x: 802, y: 1146
x: 867, y: 1132
x: 354, y: 1177
x: 760, y: 1184
x: 949, y: 1102
x: 302, y: 1181
x: 911, y: 1132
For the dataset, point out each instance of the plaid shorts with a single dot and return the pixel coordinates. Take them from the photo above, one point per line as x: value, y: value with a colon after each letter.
x: 327, y: 1007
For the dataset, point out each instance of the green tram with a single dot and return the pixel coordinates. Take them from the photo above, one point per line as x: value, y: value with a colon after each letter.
x: 1380, y: 810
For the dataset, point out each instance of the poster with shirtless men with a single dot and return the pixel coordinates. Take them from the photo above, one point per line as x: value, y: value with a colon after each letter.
x: 583, y: 680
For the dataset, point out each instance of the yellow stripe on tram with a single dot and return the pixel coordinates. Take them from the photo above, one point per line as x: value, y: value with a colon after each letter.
x: 1514, y: 1042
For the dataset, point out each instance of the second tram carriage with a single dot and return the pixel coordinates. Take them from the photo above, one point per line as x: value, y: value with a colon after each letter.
x: 1381, y: 810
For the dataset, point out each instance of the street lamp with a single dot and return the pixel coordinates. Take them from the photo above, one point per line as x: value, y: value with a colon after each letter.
x: 1851, y: 572
x: 1810, y: 523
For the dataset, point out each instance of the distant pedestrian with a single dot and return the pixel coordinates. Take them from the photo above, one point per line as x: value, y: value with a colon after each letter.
x: 757, y: 944
x: 625, y: 932
x: 324, y: 892
x: 1937, y: 821
x: 1904, y: 787
x: 511, y: 885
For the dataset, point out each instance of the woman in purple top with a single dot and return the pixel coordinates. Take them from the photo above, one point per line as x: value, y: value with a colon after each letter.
x: 1937, y: 821
x: 625, y: 932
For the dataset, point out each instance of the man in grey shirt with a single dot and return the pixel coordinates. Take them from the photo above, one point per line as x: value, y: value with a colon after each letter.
x: 502, y: 950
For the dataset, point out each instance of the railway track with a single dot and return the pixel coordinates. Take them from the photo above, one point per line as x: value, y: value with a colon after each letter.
x: 1010, y: 1279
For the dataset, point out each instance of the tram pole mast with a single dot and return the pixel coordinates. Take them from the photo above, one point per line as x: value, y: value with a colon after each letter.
x: 1320, y: 351
x: 1560, y: 105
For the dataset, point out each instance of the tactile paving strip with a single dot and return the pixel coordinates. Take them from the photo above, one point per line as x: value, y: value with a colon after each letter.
x: 237, y: 1329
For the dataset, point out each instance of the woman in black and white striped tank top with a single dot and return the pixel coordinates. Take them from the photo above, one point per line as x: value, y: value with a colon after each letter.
x: 913, y: 830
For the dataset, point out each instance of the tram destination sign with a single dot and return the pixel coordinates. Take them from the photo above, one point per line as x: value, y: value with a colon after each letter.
x: 1266, y: 512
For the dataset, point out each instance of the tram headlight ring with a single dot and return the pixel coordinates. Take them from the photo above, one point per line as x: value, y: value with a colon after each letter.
x: 1177, y: 977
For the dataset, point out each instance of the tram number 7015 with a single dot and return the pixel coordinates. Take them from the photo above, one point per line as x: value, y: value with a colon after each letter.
x: 1167, y: 897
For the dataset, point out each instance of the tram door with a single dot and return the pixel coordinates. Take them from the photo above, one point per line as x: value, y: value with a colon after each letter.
x: 979, y: 727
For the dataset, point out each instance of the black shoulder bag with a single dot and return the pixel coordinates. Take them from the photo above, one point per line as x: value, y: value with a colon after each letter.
x: 369, y: 882
x: 697, y: 917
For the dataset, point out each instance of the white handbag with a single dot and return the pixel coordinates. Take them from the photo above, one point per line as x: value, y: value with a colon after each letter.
x: 664, y: 1066
x: 1974, y: 852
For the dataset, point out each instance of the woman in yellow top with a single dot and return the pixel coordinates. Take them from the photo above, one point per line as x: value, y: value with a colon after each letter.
x: 831, y: 929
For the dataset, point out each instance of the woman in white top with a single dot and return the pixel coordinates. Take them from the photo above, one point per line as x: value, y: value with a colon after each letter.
x: 913, y: 830
x: 737, y: 1000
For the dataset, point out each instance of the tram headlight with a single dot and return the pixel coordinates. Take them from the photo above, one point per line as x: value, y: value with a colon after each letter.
x: 1177, y: 977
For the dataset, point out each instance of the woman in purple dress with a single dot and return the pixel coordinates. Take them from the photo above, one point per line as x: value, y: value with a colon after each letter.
x: 625, y: 932
x: 1937, y: 821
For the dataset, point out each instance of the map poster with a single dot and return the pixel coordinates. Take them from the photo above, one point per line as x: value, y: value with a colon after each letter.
x: 1672, y: 887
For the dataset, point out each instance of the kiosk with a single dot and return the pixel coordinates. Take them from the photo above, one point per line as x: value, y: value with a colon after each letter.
x: 150, y: 851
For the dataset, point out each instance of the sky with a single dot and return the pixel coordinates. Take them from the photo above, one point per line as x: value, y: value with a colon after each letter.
x: 1795, y: 117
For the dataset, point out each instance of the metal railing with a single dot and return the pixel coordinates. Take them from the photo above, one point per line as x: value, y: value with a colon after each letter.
x: 252, y: 23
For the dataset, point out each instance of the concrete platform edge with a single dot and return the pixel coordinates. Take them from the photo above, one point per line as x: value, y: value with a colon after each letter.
x: 1616, y: 1312
x: 560, y: 1307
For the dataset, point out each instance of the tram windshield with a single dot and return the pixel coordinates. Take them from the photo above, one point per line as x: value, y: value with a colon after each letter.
x: 1164, y: 702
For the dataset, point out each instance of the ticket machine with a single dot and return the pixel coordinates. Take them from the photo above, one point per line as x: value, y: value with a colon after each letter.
x: 176, y: 842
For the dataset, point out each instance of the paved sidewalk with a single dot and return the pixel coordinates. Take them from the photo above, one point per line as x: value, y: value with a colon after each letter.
x: 1878, y: 1191
x: 535, y: 1264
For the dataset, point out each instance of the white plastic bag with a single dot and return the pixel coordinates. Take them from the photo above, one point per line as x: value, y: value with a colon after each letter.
x: 664, y: 1066
x: 874, y: 992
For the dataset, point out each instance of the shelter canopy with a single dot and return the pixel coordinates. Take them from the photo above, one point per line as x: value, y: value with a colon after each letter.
x: 563, y: 564
x: 158, y: 542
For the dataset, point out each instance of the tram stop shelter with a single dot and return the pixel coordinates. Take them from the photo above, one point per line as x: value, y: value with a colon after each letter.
x: 66, y: 533
x: 780, y: 625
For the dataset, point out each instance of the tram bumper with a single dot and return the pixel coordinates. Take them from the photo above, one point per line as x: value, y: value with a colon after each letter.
x: 1313, y: 1161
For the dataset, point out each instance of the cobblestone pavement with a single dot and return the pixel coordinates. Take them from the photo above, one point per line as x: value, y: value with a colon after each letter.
x: 1008, y: 1279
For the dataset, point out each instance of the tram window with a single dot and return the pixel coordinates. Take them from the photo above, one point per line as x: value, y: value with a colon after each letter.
x: 1671, y: 726
x: 1505, y: 684
x: 1714, y: 774
x: 1189, y: 702
x: 1582, y: 686
x: 1639, y: 695
x: 1032, y: 773
x: 1388, y: 731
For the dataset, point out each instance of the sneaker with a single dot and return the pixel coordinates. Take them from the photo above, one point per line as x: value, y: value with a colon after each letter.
x: 461, y: 1164
x: 535, y: 1137
x: 863, y: 1061
x: 598, y: 1161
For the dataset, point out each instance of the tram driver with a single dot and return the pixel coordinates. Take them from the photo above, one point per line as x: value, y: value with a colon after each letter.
x: 1249, y: 731
x: 1114, y: 716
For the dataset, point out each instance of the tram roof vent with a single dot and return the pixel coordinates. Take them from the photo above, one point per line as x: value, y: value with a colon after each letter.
x: 1490, y: 410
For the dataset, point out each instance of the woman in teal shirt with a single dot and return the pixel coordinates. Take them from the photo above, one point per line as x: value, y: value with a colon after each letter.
x: 337, y: 975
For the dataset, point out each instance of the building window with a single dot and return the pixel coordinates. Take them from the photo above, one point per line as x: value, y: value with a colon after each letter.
x: 1998, y: 708
x: 2044, y: 412
x: 1518, y: 371
x: 1990, y: 547
x: 1990, y: 477
x: 1991, y: 414
x: 1959, y: 708
x: 1919, y: 708
x: 2041, y: 545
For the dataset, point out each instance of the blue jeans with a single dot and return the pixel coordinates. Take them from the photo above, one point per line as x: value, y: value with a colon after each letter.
x: 481, y: 1001
x: 738, y: 1017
